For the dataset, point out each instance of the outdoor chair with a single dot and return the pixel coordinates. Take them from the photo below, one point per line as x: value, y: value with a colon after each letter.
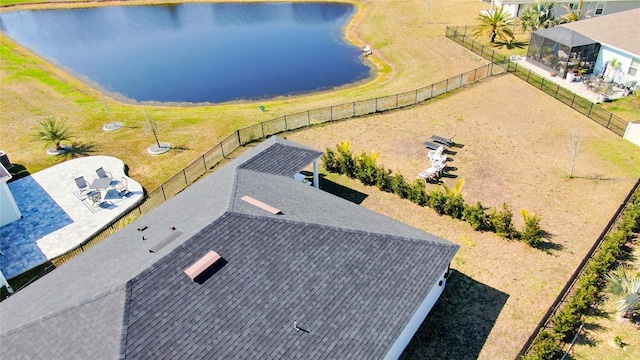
x: 82, y: 184
x: 96, y: 198
x: 103, y: 174
x: 429, y: 174
x: 431, y: 145
x: 442, y: 140
x: 435, y: 154
x: 122, y: 186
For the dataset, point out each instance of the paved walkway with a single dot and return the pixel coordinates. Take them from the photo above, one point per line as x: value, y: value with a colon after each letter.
x: 55, y: 217
x: 576, y: 87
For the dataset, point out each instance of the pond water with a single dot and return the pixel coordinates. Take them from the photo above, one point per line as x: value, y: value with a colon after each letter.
x: 196, y: 52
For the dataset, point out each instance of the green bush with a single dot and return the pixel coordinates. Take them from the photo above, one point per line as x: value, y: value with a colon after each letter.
x: 330, y: 161
x: 418, y: 193
x: 502, y: 222
x: 437, y: 201
x: 383, y: 179
x: 532, y: 232
x: 475, y: 216
x: 545, y: 347
x: 346, y: 162
x: 399, y: 186
x: 366, y: 169
x: 566, y: 323
x: 454, y: 206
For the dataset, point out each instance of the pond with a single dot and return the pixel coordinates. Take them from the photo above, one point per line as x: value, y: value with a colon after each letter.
x: 196, y: 52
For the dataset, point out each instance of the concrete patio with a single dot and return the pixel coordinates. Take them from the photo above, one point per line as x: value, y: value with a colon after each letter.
x: 576, y: 87
x: 56, y: 218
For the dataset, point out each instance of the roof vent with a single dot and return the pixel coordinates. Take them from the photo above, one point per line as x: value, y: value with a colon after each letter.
x: 261, y: 205
x: 202, y: 264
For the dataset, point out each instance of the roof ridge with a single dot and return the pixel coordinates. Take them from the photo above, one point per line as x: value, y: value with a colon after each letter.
x: 65, y: 310
x: 345, y: 229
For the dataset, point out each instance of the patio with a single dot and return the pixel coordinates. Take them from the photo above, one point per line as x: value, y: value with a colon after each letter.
x: 578, y: 87
x: 55, y: 217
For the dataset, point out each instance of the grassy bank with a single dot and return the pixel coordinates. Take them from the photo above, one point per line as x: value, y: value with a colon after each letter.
x: 409, y: 53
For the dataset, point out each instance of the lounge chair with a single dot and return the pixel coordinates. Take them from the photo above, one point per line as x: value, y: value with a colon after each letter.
x: 83, y: 185
x: 103, y: 174
x: 442, y: 140
x: 431, y: 145
x: 429, y: 174
x: 122, y: 186
x: 436, y: 154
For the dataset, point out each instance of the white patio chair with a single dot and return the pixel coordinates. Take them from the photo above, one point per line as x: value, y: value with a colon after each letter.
x: 82, y: 185
x: 103, y: 174
x: 429, y: 174
x: 435, y: 153
x: 122, y: 186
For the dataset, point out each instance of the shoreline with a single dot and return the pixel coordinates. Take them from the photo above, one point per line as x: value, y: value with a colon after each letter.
x: 375, y: 62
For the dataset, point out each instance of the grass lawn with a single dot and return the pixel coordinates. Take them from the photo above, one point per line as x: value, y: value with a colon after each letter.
x: 510, y: 152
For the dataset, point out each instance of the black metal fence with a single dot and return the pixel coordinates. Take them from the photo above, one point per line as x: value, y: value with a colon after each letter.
x: 462, y: 35
x: 219, y: 152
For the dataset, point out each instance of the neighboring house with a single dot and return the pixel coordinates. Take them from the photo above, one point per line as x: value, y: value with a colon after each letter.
x: 323, y: 278
x: 589, y: 8
x: 591, y: 44
x: 619, y: 37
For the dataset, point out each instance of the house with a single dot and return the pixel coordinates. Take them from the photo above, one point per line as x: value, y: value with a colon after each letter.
x: 591, y: 45
x: 589, y: 8
x: 618, y: 36
x: 301, y: 274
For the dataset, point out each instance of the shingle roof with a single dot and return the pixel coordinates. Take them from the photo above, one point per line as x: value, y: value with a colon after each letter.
x: 619, y: 30
x: 247, y: 309
x: 280, y: 159
x: 80, y: 309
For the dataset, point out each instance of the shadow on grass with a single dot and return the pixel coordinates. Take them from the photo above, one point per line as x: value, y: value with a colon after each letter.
x: 510, y: 45
x: 460, y: 322
x: 547, y: 245
x: 78, y: 150
x: 341, y: 191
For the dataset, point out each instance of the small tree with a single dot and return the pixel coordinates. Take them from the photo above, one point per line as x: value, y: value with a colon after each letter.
x: 495, y: 24
x: 531, y: 233
x: 538, y: 15
x: 575, y: 138
x: 502, y: 221
x: 53, y: 130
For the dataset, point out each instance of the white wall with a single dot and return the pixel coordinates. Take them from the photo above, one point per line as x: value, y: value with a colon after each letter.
x: 607, y: 53
x: 633, y: 133
x: 9, y: 211
x: 407, y: 334
x: 588, y: 7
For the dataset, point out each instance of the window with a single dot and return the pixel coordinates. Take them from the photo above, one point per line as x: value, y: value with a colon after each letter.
x: 574, y: 6
x: 633, y: 68
x: 599, y: 8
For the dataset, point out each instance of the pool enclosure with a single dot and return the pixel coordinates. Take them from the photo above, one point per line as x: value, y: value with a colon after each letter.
x: 561, y: 51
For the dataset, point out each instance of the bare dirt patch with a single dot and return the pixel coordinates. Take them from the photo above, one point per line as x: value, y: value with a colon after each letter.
x: 513, y: 149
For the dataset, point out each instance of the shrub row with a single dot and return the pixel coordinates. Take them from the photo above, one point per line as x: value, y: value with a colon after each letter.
x: 564, y: 324
x: 444, y: 200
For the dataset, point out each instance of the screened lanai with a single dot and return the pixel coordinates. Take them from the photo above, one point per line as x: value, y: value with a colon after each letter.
x: 560, y: 50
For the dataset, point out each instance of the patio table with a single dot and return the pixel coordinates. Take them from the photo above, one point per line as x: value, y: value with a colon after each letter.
x: 100, y: 183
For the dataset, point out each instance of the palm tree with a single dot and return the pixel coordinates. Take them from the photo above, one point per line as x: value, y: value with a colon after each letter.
x: 626, y: 288
x: 573, y: 15
x: 53, y: 130
x: 495, y: 24
x: 538, y: 16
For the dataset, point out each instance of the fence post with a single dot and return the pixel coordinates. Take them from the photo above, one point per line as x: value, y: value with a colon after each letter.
x: 461, y: 80
x: 528, y: 75
x: 591, y: 108
x: 239, y: 141
x: 557, y: 89
x: 222, y: 149
x: 376, y: 104
x: 204, y: 161
x: 163, y: 194
x: 354, y: 109
x: 431, y: 97
x: 286, y: 127
x: 446, y: 86
x: 309, y: 117
x: 609, y: 122
x: 542, y: 83
x: 475, y: 74
x: 396, y: 101
x: 493, y: 52
x: 262, y: 128
x: 184, y: 173
x: 331, y: 115
x: 574, y: 99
